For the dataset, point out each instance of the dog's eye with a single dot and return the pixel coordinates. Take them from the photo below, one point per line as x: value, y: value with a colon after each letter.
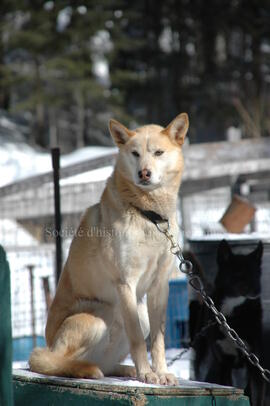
x: 135, y: 153
x: 158, y: 152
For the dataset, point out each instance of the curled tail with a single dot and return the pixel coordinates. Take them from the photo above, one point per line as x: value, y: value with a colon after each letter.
x: 47, y: 362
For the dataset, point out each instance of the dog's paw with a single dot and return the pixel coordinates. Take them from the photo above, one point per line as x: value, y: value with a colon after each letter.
x: 149, y: 377
x: 168, y: 379
x: 124, y: 370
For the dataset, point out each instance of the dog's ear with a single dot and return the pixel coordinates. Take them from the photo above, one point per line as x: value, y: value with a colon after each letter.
x: 224, y: 252
x: 119, y: 132
x: 258, y: 252
x: 178, y: 128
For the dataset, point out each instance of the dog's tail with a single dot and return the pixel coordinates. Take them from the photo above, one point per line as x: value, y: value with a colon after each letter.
x: 47, y: 362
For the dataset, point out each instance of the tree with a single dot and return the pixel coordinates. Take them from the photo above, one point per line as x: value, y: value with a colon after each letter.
x: 192, y: 56
x: 210, y: 59
x: 52, y: 64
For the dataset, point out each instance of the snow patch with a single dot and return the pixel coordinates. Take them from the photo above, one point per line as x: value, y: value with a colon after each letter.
x: 19, y: 161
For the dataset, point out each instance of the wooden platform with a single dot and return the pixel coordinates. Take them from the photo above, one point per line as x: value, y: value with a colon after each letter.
x: 31, y: 389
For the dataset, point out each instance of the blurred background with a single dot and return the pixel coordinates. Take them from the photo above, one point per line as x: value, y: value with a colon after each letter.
x: 67, y: 67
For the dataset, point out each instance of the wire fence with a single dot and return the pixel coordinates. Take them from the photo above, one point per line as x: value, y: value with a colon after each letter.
x: 30, y: 267
x: 27, y: 231
x: 27, y: 234
x: 202, y: 212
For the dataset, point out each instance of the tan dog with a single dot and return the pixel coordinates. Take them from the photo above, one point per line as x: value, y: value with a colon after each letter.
x: 98, y: 314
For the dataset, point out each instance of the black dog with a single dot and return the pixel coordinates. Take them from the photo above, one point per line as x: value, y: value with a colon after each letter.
x: 236, y: 293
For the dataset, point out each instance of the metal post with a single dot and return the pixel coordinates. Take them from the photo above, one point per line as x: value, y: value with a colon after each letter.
x: 57, y: 211
x: 32, y: 299
x: 47, y: 292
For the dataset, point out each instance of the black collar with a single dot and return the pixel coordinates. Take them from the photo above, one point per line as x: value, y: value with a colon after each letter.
x: 152, y: 216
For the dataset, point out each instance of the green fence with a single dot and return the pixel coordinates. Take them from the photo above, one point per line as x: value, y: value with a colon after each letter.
x: 6, y: 398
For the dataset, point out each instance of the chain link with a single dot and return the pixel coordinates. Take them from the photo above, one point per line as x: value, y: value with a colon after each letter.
x: 199, y: 335
x: 195, y: 281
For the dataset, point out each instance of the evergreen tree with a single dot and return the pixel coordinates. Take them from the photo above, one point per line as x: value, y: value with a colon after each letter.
x: 210, y: 59
x: 52, y: 64
x: 194, y: 56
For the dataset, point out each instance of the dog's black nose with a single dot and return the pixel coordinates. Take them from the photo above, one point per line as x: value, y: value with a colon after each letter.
x: 145, y: 174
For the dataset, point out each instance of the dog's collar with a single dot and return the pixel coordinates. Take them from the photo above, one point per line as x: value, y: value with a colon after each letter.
x: 152, y: 216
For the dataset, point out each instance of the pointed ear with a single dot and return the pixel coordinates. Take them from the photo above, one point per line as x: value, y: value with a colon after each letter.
x: 178, y: 128
x: 258, y: 252
x: 224, y: 252
x: 120, y: 134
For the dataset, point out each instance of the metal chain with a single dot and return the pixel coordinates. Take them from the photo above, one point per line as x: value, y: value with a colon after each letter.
x: 199, y: 335
x: 196, y: 282
x: 177, y: 357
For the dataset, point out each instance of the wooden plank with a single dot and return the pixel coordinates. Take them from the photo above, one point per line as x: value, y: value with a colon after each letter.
x: 124, y: 385
x: 32, y: 389
x: 192, y: 186
x: 6, y: 394
x: 33, y: 394
x: 260, y: 175
x: 17, y: 206
x: 40, y: 201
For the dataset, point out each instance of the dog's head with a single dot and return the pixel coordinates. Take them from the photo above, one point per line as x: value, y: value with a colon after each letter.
x: 150, y: 156
x: 239, y: 274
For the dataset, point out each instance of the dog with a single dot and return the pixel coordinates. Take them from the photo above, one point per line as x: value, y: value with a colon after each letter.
x: 117, y: 257
x: 237, y: 294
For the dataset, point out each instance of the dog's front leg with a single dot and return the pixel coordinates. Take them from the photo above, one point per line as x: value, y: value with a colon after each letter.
x: 128, y: 302
x: 157, y: 298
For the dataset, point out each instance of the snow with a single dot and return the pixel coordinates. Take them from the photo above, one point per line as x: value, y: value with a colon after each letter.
x: 180, y: 368
x: 19, y: 161
x: 86, y: 153
x: 97, y: 175
x: 11, y: 234
x: 119, y: 382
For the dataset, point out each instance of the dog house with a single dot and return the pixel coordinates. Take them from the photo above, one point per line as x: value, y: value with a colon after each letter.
x: 29, y: 388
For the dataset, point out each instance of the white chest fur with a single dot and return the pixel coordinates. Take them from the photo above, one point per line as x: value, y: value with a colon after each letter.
x: 230, y: 303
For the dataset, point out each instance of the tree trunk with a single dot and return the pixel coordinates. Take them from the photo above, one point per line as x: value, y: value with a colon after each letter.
x: 53, y: 131
x: 39, y: 128
x: 4, y: 90
x: 80, y: 141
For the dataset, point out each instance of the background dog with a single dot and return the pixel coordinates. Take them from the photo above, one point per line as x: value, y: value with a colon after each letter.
x: 236, y: 293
